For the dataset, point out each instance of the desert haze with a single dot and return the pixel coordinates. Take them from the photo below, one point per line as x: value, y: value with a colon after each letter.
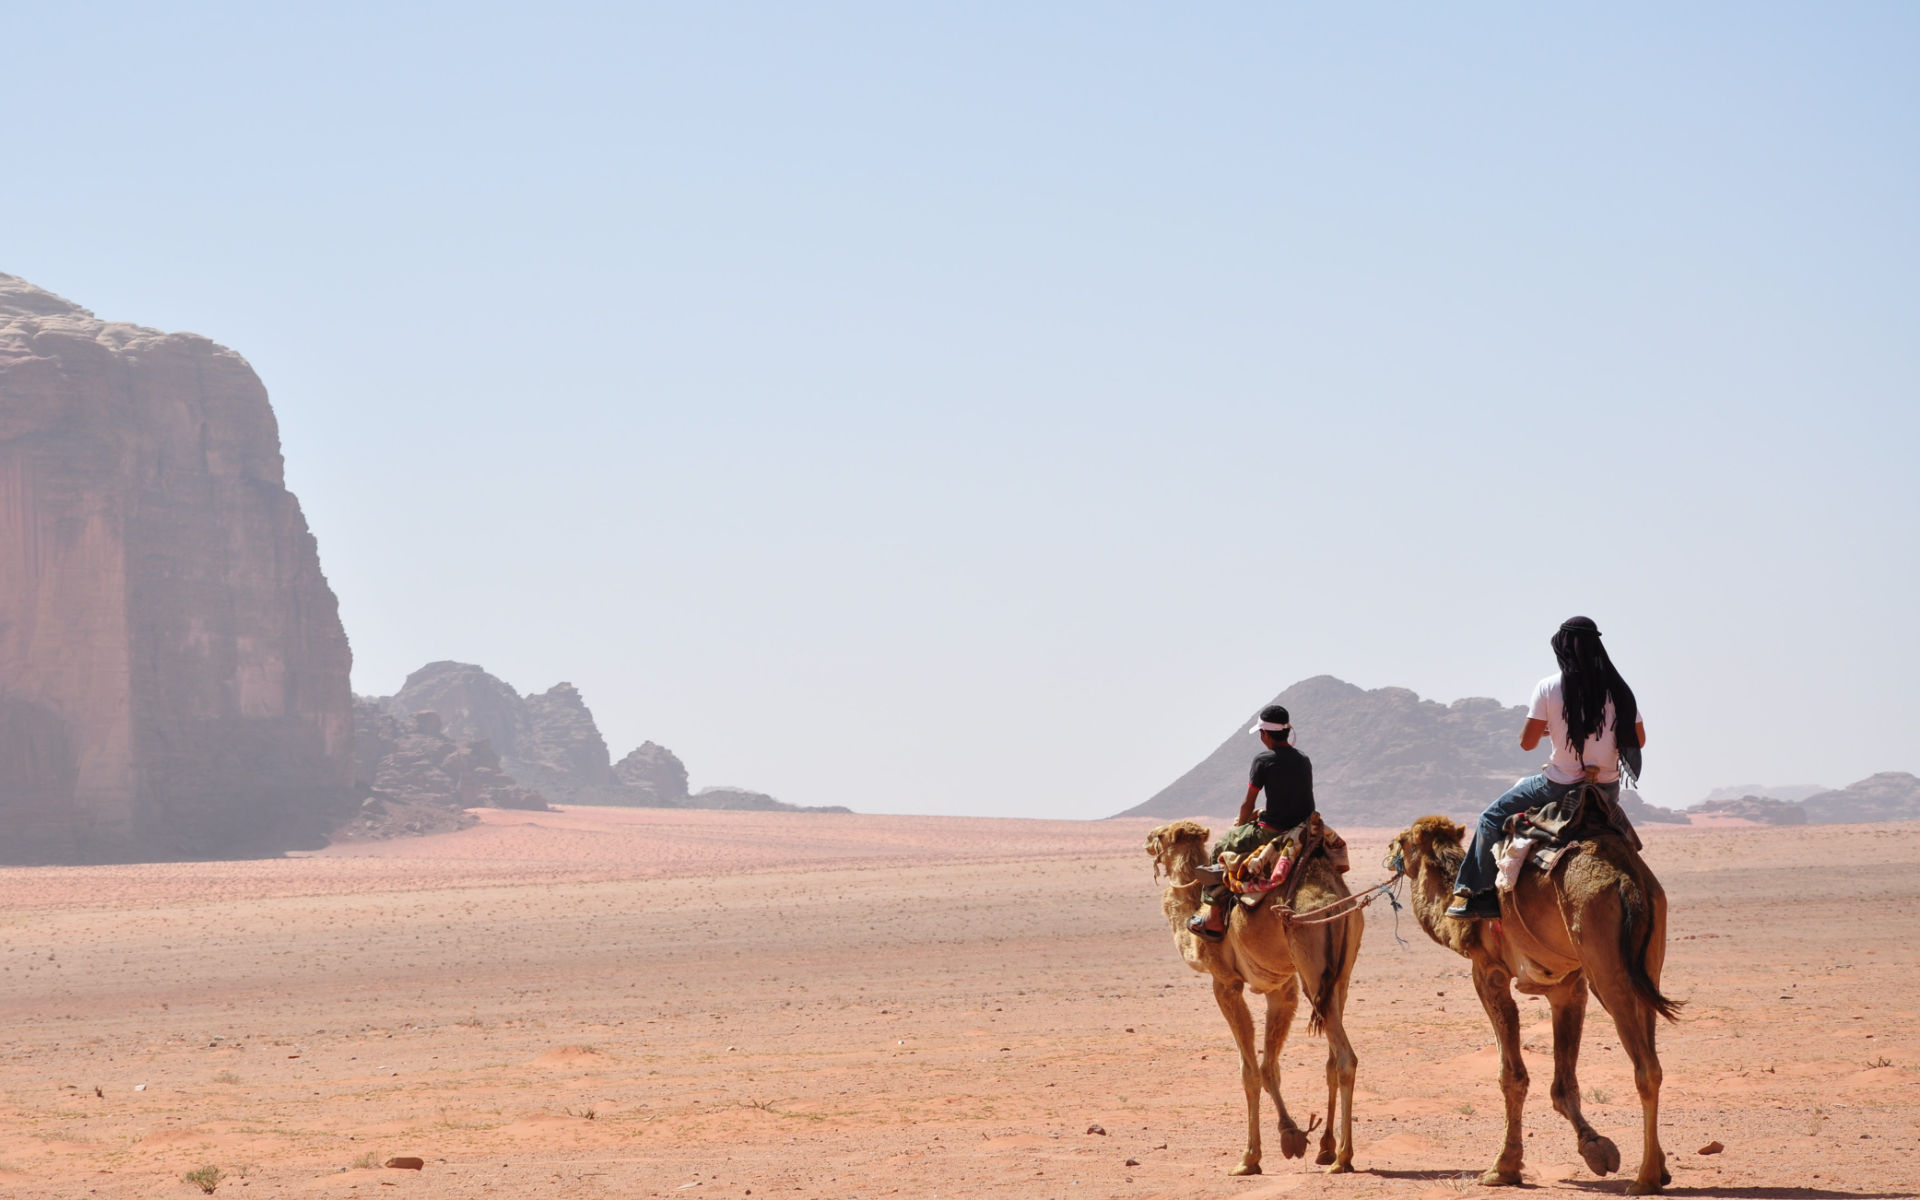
x: 619, y: 1002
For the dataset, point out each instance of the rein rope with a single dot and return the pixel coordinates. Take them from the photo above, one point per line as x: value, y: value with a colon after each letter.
x: 1354, y: 903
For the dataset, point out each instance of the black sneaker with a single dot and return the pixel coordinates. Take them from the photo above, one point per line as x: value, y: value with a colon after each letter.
x: 1481, y: 906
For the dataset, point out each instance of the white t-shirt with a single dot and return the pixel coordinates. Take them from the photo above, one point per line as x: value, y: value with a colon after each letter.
x: 1600, y: 750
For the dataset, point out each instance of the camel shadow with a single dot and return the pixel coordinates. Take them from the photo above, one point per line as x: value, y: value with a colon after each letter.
x: 1614, y: 1187
x: 1745, y: 1193
x: 1430, y: 1176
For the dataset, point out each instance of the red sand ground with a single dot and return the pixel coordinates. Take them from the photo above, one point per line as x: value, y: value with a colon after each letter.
x: 632, y: 1002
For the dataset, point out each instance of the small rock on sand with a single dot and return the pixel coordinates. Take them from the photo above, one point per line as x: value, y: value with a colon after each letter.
x: 1712, y: 1148
x: 407, y: 1163
x: 1097, y: 1129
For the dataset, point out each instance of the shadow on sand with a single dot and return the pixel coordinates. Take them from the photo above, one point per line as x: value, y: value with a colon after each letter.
x: 1617, y: 1185
x: 1745, y: 1193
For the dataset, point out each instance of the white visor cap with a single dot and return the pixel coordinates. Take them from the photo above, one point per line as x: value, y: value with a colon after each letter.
x: 1269, y: 726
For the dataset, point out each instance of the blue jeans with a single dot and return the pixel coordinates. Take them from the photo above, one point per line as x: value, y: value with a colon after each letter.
x: 1477, y: 870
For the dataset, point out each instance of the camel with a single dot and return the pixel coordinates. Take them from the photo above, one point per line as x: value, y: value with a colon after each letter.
x: 1262, y: 953
x: 1597, y: 919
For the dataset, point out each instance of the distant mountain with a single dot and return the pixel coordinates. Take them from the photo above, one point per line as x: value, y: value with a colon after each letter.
x: 1888, y: 796
x: 1380, y: 757
x: 1762, y: 810
x: 546, y: 741
x: 1792, y: 793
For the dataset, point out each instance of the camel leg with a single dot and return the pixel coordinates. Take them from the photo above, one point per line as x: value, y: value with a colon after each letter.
x: 1496, y: 996
x: 1233, y: 1004
x: 1569, y: 1002
x: 1633, y: 1017
x: 1337, y: 1156
x: 1280, y: 1008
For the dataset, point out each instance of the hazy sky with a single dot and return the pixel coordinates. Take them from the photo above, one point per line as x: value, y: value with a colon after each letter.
x: 978, y: 408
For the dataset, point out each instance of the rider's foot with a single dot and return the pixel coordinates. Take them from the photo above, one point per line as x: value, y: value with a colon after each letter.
x: 1197, y: 924
x: 1475, y: 906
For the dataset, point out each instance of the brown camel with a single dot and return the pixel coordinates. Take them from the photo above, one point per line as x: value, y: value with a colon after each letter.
x: 1262, y: 953
x: 1597, y: 920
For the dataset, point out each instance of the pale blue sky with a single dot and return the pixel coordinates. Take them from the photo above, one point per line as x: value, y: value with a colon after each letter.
x: 977, y: 409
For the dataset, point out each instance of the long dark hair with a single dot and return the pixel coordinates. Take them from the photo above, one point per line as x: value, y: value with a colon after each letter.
x: 1588, y: 679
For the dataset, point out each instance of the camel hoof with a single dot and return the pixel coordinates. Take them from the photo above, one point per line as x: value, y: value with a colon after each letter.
x: 1246, y: 1169
x: 1498, y: 1178
x: 1293, y: 1143
x: 1340, y: 1168
x: 1603, y: 1157
x: 1638, y: 1188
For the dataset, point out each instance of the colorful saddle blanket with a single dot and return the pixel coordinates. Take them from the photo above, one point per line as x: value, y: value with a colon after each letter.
x: 1275, y: 866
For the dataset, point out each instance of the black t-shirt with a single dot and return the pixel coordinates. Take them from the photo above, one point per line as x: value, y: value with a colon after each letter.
x: 1287, y: 777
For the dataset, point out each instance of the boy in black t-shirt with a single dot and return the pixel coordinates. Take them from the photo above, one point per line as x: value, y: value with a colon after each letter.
x: 1286, y: 776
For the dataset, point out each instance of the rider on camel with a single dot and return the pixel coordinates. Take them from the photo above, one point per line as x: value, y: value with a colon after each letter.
x: 1578, y: 708
x: 1286, y: 775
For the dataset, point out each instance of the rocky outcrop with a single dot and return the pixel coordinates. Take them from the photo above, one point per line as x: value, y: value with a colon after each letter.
x: 1762, y: 810
x: 173, y: 673
x: 550, y: 743
x: 1791, y: 792
x: 1380, y: 757
x: 655, y: 770
x: 563, y: 749
x: 413, y: 778
x: 473, y: 706
x: 743, y: 800
x: 1888, y: 796
x: 1640, y: 812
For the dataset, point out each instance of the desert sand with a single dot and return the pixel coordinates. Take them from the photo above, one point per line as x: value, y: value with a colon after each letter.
x: 602, y: 1002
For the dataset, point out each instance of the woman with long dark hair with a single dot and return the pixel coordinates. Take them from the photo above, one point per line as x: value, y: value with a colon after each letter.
x: 1579, y: 708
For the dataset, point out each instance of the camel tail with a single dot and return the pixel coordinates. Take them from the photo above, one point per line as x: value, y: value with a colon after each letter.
x: 1636, y: 938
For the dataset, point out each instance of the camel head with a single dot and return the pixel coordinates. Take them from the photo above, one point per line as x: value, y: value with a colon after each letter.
x: 1430, y: 842
x: 1177, y: 848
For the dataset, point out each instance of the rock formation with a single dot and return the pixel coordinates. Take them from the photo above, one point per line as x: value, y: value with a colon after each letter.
x: 1640, y: 812
x: 655, y: 770
x: 744, y: 800
x: 1888, y: 796
x: 563, y: 749
x: 1792, y: 793
x: 173, y: 674
x: 547, y: 742
x: 1763, y: 810
x: 473, y: 705
x: 413, y: 778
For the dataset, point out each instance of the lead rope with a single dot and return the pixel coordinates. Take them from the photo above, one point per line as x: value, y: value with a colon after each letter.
x: 1347, y: 904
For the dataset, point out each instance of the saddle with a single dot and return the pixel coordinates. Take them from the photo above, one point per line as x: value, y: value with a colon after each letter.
x: 1540, y: 835
x: 1275, y: 868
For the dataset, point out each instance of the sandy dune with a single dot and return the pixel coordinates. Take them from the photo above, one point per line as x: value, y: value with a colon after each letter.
x: 631, y: 1003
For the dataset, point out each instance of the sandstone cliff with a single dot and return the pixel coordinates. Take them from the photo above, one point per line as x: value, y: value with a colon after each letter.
x: 173, y: 674
x: 1380, y: 757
